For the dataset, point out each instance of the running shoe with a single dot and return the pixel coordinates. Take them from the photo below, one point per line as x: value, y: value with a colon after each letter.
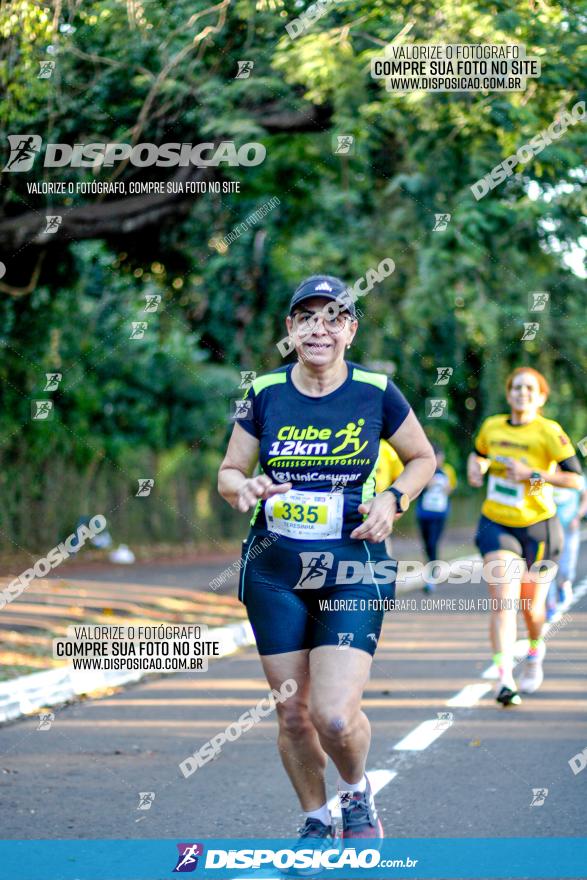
x: 313, y: 835
x: 532, y: 675
x: 508, y: 697
x: 359, y: 816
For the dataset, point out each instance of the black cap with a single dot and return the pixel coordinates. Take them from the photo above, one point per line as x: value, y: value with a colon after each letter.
x: 326, y: 286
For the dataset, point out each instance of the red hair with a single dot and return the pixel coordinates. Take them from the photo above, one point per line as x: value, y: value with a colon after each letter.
x: 542, y: 383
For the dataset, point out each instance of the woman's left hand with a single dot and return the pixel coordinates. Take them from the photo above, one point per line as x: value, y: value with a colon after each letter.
x: 517, y: 471
x: 379, y: 523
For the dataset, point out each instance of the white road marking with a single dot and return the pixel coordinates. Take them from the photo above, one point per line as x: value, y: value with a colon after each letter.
x: 422, y: 736
x: 469, y: 696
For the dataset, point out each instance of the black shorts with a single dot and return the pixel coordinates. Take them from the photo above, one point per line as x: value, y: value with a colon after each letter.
x: 299, y: 596
x: 541, y: 541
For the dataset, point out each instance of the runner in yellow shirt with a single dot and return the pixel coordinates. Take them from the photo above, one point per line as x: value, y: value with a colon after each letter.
x: 524, y: 455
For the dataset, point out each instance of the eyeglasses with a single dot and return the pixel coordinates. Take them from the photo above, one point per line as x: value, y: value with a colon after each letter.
x: 306, y: 322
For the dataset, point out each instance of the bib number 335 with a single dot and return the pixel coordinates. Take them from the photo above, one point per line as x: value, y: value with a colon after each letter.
x: 305, y: 515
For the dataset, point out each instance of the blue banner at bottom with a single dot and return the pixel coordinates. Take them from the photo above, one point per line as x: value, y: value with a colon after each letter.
x: 528, y: 858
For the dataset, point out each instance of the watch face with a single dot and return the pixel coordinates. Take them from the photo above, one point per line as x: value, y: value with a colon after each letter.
x: 404, y: 502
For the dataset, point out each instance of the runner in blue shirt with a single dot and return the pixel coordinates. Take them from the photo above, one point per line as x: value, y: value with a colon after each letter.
x: 315, y: 575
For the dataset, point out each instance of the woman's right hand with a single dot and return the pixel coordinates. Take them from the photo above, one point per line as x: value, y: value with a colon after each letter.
x: 475, y: 472
x: 258, y: 488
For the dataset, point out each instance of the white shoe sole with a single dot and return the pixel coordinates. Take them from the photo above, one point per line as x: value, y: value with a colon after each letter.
x: 531, y: 684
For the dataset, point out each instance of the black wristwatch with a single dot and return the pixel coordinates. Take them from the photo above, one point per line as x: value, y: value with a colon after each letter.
x: 402, y: 498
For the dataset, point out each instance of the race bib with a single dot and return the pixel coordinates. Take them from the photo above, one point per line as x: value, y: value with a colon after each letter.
x: 505, y: 491
x: 308, y: 516
x: 435, y: 499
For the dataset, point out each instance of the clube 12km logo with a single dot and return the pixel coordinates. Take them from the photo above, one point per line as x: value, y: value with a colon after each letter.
x: 24, y: 149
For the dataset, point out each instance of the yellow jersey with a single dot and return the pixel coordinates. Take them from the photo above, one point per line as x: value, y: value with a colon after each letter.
x: 389, y: 466
x: 540, y: 444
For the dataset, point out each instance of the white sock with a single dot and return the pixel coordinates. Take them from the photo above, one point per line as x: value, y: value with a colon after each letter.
x: 322, y: 813
x: 353, y: 786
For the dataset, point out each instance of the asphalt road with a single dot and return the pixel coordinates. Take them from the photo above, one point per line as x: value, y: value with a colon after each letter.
x: 82, y: 777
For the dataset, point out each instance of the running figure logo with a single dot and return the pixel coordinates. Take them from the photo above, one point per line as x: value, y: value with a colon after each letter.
x: 245, y: 68
x: 582, y: 446
x: 242, y: 409
x: 23, y: 151
x: 351, y: 437
x: 41, y: 410
x: 52, y: 381
x: 46, y: 719
x: 247, y: 378
x: 536, y: 484
x: 530, y: 331
x: 53, y: 222
x: 444, y: 374
x: 344, y: 144
x: 444, y: 720
x: 146, y: 799
x: 345, y: 640
x: 539, y: 795
x: 145, y: 487
x: 435, y: 408
x: 441, y: 222
x: 46, y: 69
x: 187, y: 860
x: 152, y: 301
x: 138, y: 329
x: 538, y: 302
x: 315, y: 567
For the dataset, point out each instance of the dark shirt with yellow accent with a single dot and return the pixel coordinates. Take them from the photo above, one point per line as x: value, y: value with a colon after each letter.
x: 323, y: 444
x: 541, y: 445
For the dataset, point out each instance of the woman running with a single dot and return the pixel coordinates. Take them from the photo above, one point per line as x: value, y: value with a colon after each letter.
x: 315, y: 596
x: 520, y: 451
